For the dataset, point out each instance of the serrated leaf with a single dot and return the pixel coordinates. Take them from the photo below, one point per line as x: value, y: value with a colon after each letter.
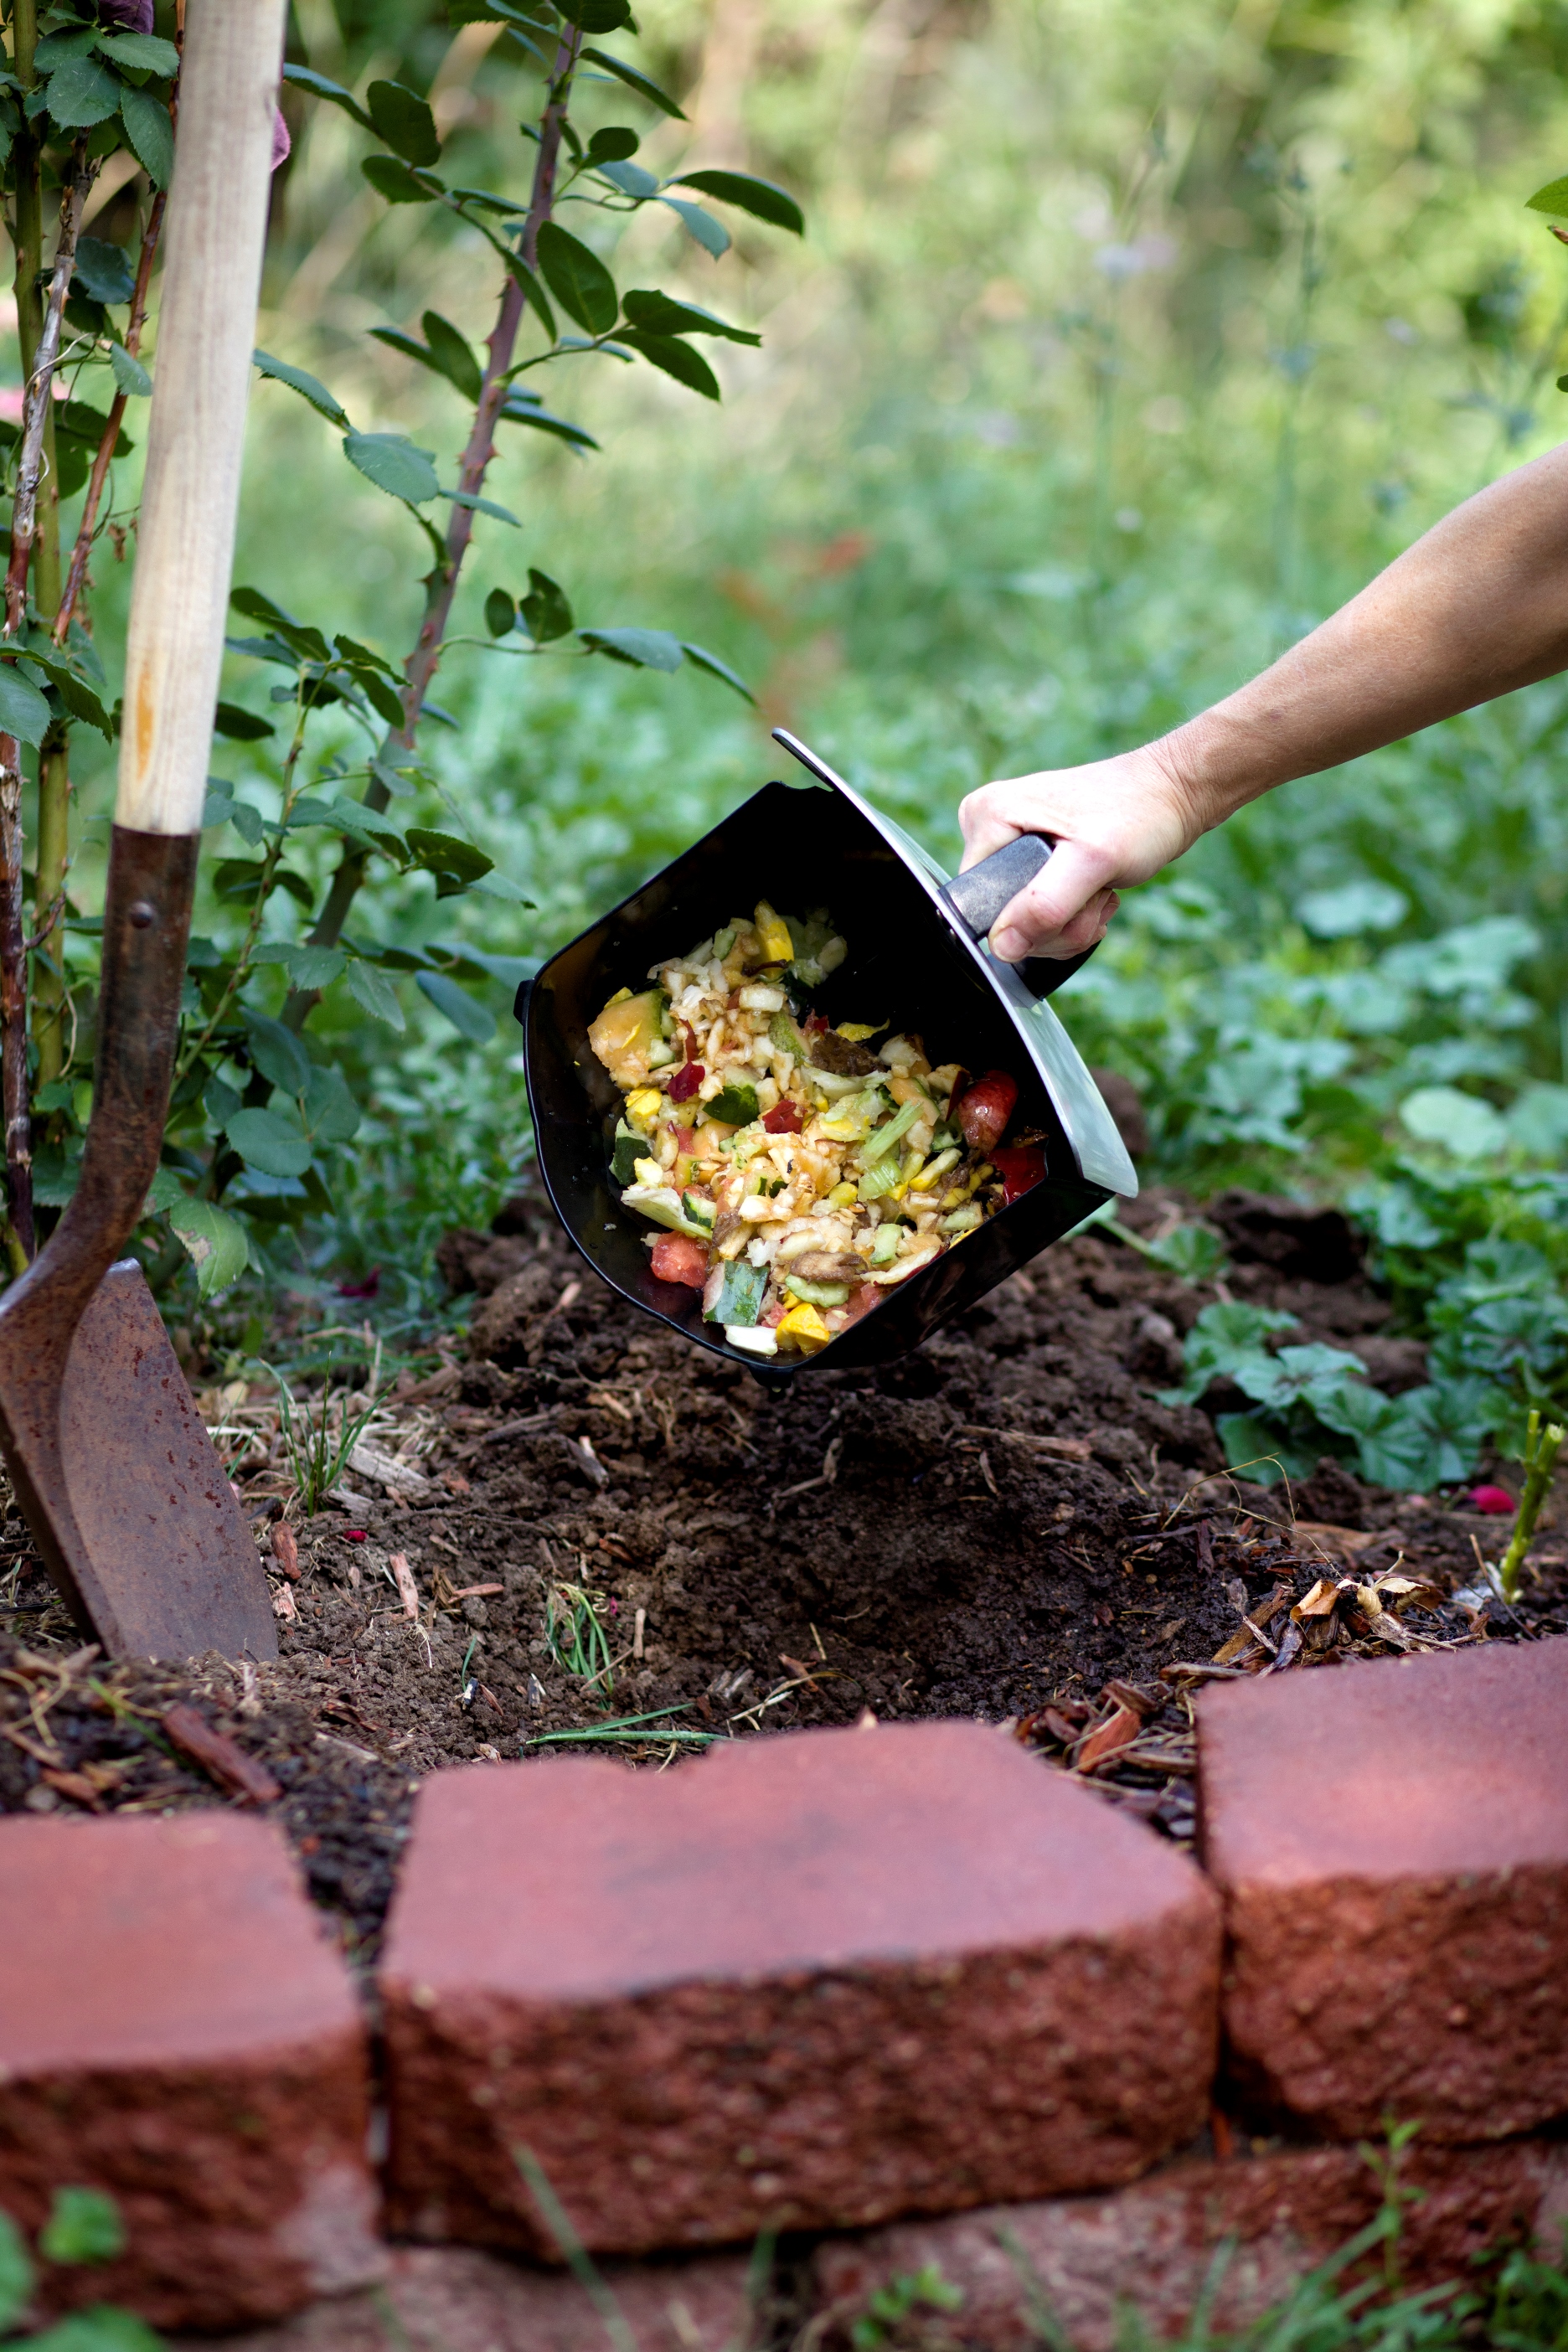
x: 1552, y: 198
x: 82, y: 92
x: 215, y: 1243
x: 673, y: 357
x: 578, y: 278
x: 84, y: 2226
x: 700, y: 226
x: 307, y: 386
x: 266, y: 1142
x: 23, y: 713
x: 444, y: 853
x: 276, y: 1053
x: 130, y: 376
x: 241, y: 726
x: 104, y: 271
x: 219, y: 806
x: 452, y: 354
x: 644, y: 648
x: 396, y: 182
x: 758, y: 197
x: 370, y: 987
x: 332, y: 1113
x: 307, y: 966
x: 470, y: 1018
x: 660, y: 314
x: 501, y: 612
x: 248, y: 822
x: 476, y: 505
x: 403, y: 120
x: 392, y: 462
x: 701, y: 659
x: 150, y: 133
x: 634, y: 81
x: 142, y: 53
x: 546, y: 609
x: 166, y: 1190
x: 320, y: 87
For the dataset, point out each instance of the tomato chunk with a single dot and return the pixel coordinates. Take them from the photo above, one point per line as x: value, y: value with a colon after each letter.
x: 985, y: 1110
x: 686, y: 1081
x: 678, y: 1258
x: 783, y: 1119
x: 1021, y: 1167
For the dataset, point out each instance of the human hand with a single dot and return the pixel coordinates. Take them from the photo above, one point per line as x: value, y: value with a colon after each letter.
x: 1113, y: 823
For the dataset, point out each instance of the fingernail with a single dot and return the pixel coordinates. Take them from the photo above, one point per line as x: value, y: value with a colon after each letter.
x: 1010, y: 946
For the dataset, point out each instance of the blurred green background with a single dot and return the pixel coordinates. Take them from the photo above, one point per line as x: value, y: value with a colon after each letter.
x: 1125, y: 342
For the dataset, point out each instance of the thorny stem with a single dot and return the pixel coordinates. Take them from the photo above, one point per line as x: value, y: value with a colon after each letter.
x: 442, y: 585
x: 41, y: 390
x: 14, y: 1000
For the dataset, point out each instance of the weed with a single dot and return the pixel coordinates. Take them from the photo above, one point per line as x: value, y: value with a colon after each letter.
x: 83, y: 2226
x: 320, y: 1434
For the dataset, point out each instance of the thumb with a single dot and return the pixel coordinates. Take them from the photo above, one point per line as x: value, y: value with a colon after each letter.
x: 1062, y: 911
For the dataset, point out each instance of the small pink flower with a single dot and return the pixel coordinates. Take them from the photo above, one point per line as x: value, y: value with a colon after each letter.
x: 1493, y: 1500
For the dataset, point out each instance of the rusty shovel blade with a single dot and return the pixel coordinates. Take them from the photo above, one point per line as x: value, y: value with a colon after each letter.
x: 116, y: 1476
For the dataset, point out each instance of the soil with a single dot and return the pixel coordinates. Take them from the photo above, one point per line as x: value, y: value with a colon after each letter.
x: 1008, y: 1525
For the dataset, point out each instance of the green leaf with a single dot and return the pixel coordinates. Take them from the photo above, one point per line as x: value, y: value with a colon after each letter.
x: 453, y: 354
x: 82, y: 422
x: 1257, y: 1447
x: 320, y: 87
x: 166, y: 1190
x: 15, y: 2271
x: 220, y: 1103
x: 79, y: 698
x: 546, y: 611
x: 534, y: 293
x: 84, y: 2226
x: 104, y: 2327
x: 676, y: 359
x: 516, y: 413
x: 266, y: 1142
x: 55, y: 47
x: 382, y: 695
x: 578, y: 278
x: 596, y: 15
x: 104, y: 271
x: 630, y: 178
x: 397, y: 183
x: 660, y: 314
x: 215, y: 1243
x: 613, y: 144
x: 501, y: 612
x: 644, y: 648
x: 759, y: 198
x: 23, y: 710
x: 276, y: 1053
x: 469, y: 1019
x: 309, y: 387
x: 701, y: 659
x: 444, y: 853
x: 150, y: 133
x: 476, y: 505
x: 142, y: 53
x: 307, y: 966
x: 1464, y: 1125
x: 1552, y: 198
x: 709, y: 234
x: 403, y: 120
x: 130, y: 376
x: 82, y: 94
x: 372, y: 989
x: 634, y: 81
x: 332, y: 1113
x: 241, y: 726
x: 392, y: 462
x: 248, y: 822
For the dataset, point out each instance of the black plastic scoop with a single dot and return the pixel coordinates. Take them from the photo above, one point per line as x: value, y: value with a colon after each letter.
x: 916, y: 958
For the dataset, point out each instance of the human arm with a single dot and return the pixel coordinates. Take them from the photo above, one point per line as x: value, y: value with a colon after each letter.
x: 1476, y: 608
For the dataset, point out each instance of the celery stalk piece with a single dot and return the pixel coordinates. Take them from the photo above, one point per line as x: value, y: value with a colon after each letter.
x: 882, y: 1139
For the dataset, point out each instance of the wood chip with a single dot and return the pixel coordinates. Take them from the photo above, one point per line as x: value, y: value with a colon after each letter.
x: 286, y: 1552
x: 1128, y: 1695
x: 219, y: 1757
x: 403, y: 1577
x: 1107, y: 1738
x: 1061, y: 1449
x: 476, y: 1592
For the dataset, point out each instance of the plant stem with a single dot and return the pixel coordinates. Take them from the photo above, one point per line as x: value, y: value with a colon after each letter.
x: 241, y: 971
x: 441, y: 585
x: 52, y: 857
x: 14, y: 1000
x: 39, y: 404
x: 1540, y: 1449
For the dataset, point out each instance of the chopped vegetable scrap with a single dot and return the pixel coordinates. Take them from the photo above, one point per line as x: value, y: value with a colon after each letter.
x: 798, y: 1172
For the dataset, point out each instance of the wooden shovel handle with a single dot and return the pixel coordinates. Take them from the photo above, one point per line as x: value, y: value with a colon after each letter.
x: 207, y: 329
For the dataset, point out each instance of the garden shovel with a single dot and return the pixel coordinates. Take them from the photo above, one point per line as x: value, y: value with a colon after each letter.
x: 118, y: 1479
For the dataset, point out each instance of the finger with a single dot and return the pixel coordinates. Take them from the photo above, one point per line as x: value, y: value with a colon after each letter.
x: 1060, y: 912
x: 984, y: 826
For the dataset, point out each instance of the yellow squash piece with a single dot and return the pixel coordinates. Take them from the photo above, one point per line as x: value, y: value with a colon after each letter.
x: 773, y: 933
x: 644, y: 1105
x: 803, y: 1327
x: 624, y: 1033
x: 855, y: 1033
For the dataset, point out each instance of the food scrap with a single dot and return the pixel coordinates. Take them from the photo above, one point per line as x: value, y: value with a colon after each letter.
x: 798, y: 1172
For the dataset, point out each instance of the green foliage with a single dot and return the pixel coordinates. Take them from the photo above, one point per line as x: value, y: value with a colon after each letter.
x: 321, y: 1433
x: 911, y: 2290
x: 84, y: 2226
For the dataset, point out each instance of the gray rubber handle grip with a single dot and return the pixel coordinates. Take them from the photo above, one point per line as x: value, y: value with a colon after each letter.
x: 978, y: 897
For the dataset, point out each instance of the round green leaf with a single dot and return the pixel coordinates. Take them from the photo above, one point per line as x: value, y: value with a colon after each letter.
x: 501, y: 612
x: 578, y: 278
x: 82, y: 92
x: 392, y: 462
x: 215, y: 1243
x: 1465, y: 1125
x: 403, y: 120
x: 266, y: 1142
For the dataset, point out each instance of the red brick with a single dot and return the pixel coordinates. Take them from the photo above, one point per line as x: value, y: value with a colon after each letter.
x: 1153, y: 2246
x: 815, y: 1979
x: 175, y: 2029
x: 454, y: 2299
x: 1390, y: 1841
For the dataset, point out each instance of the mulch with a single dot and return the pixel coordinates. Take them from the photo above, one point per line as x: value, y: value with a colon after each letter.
x: 1008, y: 1525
